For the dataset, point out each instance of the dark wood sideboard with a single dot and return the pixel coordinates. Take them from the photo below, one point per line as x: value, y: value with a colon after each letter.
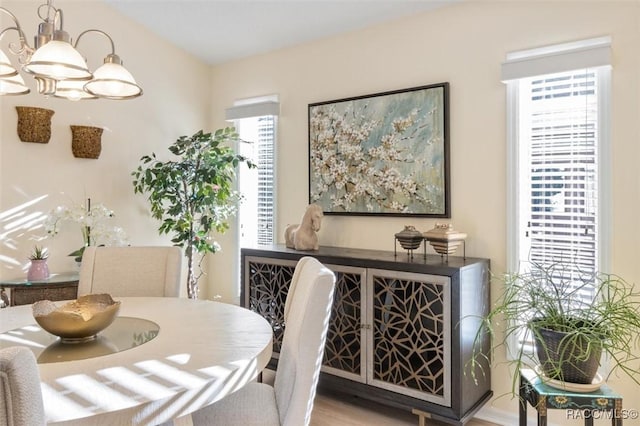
x: 401, y: 329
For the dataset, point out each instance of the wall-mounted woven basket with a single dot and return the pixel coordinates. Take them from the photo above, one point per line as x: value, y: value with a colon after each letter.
x: 34, y: 124
x: 86, y: 141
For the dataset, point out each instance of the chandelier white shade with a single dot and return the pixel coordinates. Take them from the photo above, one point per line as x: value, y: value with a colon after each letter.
x: 13, y: 86
x: 72, y: 90
x: 58, y: 67
x: 6, y: 69
x: 58, y: 60
x: 113, y: 81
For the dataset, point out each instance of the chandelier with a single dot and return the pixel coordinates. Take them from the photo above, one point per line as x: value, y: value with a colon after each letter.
x: 58, y: 68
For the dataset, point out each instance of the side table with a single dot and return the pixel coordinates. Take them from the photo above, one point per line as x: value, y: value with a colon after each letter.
x: 602, y: 403
x: 57, y: 287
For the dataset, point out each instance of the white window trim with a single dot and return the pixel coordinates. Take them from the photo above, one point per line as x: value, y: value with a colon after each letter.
x: 513, y: 175
x: 247, y: 109
x: 605, y: 168
x: 591, y: 53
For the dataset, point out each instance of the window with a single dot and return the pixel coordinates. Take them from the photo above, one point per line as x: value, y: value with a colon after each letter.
x: 256, y: 185
x: 256, y: 122
x: 558, y: 169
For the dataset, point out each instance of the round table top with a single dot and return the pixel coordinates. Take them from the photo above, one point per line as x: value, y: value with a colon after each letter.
x: 203, y: 351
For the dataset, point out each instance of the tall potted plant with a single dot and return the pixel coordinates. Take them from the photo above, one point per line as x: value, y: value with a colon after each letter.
x: 572, y: 316
x: 193, y: 195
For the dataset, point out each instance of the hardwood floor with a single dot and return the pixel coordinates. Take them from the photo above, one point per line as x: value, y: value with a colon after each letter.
x: 331, y: 411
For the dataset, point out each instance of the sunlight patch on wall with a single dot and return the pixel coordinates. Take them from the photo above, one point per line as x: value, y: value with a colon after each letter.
x: 14, y: 224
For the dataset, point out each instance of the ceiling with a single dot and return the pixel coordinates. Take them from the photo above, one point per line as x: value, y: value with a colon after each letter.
x: 218, y: 31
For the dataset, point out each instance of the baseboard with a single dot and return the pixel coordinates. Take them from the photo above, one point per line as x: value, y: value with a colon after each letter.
x: 506, y: 418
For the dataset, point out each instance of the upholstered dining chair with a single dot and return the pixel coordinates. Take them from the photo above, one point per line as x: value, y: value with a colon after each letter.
x: 20, y: 394
x: 290, y: 401
x: 131, y: 271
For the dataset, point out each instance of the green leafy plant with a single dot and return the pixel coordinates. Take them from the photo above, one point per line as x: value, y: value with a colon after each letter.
x: 193, y: 195
x: 556, y: 297
x: 39, y: 253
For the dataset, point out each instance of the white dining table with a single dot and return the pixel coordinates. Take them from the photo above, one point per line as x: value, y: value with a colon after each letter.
x: 203, y: 351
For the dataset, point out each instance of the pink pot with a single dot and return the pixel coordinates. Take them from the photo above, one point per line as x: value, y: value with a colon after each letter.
x: 38, y: 271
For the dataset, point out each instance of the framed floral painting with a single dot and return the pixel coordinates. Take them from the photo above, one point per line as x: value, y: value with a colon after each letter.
x: 384, y: 154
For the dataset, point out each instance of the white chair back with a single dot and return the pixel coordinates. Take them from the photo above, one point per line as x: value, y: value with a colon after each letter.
x: 131, y: 271
x: 20, y: 394
x: 307, y: 311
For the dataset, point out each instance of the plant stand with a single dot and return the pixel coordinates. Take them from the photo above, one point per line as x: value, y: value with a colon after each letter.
x: 603, y: 403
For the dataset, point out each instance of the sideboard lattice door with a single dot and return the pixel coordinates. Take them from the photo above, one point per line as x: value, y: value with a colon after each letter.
x: 268, y: 287
x: 344, y: 351
x: 411, y: 348
x: 269, y: 282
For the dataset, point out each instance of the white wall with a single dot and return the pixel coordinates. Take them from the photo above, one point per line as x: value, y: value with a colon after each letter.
x: 464, y: 45
x: 175, y: 102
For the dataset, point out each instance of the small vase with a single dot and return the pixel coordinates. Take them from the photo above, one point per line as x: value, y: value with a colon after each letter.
x: 410, y: 238
x: 39, y: 270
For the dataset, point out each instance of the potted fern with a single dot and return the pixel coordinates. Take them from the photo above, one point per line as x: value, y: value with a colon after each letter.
x: 573, y: 317
x: 192, y: 195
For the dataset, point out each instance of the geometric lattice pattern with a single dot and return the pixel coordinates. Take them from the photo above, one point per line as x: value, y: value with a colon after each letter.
x: 409, y: 334
x: 344, y: 346
x: 268, y: 288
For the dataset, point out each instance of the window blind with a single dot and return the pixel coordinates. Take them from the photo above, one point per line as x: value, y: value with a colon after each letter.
x: 562, y: 169
x: 265, y: 163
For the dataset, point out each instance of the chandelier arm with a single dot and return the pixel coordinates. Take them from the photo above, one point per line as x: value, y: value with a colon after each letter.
x: 58, y: 18
x: 23, y: 50
x: 113, y: 47
x: 47, y: 18
x: 49, y: 7
x: 11, y: 15
x: 9, y: 29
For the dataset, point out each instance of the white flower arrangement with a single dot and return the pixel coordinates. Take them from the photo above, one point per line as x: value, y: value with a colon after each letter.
x: 94, y: 221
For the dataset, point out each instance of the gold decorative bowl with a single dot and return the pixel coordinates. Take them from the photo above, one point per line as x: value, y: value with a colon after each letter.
x: 79, y: 320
